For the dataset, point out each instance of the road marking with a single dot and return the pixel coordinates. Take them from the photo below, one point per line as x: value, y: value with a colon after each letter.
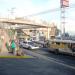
x: 59, y: 62
x: 49, y: 59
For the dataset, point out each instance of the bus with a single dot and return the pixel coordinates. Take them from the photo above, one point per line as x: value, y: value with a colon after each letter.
x: 62, y: 46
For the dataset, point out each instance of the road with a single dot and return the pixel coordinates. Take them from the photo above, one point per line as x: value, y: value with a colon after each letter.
x: 63, y: 58
x: 32, y: 67
x: 39, y: 66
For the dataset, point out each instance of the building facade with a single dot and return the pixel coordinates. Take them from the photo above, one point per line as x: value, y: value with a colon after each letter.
x: 42, y: 33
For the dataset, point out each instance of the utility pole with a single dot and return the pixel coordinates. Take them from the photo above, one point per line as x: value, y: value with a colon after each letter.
x: 11, y: 12
x: 63, y: 5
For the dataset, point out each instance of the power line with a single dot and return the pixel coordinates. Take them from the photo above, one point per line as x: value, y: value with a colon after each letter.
x: 48, y: 11
x: 39, y: 13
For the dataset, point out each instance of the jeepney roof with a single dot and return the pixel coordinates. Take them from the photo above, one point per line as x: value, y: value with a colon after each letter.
x: 62, y: 41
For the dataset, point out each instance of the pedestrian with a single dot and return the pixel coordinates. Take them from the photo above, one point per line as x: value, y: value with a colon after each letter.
x: 13, y: 46
x: 7, y: 46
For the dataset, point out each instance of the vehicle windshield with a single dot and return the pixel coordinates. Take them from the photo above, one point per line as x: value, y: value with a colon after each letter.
x: 31, y: 43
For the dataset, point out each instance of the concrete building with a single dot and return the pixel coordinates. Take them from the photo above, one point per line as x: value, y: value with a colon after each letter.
x: 42, y: 33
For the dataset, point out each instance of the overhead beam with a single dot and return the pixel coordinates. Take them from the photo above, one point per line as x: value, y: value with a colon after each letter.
x: 19, y: 22
x: 20, y: 26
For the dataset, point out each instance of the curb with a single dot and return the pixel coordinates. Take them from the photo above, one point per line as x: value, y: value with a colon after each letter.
x: 16, y: 56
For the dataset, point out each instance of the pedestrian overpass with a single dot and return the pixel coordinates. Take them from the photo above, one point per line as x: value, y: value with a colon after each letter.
x: 21, y: 24
x: 6, y: 23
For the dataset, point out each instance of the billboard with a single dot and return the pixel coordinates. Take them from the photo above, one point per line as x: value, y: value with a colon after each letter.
x: 64, y: 3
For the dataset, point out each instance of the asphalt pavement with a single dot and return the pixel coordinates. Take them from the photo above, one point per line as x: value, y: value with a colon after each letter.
x: 42, y: 64
x: 32, y: 66
x: 63, y: 58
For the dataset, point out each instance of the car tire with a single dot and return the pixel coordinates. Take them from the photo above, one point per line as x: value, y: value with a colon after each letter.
x: 56, y: 51
x: 29, y: 48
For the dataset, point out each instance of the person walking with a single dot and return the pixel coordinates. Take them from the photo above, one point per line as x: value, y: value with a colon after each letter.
x: 7, y: 46
x: 13, y: 46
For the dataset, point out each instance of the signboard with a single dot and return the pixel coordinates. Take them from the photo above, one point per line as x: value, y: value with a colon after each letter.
x: 64, y: 3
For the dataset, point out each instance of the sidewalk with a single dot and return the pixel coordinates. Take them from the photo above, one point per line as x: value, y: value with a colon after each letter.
x: 6, y: 54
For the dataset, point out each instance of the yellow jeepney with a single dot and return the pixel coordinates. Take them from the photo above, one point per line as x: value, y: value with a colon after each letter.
x: 64, y: 46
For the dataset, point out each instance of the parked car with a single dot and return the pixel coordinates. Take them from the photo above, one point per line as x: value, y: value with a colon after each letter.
x: 29, y: 45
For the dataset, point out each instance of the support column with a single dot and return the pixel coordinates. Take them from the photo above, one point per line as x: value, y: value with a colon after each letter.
x: 48, y: 35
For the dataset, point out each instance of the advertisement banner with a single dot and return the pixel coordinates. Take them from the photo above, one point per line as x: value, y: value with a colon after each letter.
x: 64, y: 3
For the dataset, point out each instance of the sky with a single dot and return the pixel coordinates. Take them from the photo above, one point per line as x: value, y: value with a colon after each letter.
x: 23, y: 8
